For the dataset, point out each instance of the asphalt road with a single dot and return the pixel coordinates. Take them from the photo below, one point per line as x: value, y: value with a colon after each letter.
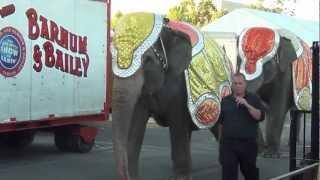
x: 42, y: 161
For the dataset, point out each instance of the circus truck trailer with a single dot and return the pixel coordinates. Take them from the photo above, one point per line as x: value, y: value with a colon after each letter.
x: 54, y: 71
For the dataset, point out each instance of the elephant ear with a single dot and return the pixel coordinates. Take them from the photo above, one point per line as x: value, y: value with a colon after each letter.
x: 179, y: 50
x: 286, y: 54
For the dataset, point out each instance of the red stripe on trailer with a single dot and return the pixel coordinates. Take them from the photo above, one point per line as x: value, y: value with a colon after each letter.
x: 108, y: 59
x: 50, y: 122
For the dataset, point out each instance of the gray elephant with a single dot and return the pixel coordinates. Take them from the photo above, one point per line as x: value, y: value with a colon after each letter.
x: 150, y: 80
x: 277, y: 65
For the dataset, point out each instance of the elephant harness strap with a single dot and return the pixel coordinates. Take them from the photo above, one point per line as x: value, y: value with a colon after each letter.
x: 163, y: 59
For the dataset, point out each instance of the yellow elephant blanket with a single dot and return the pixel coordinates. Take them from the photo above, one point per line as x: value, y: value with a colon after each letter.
x: 207, y: 78
x: 136, y: 33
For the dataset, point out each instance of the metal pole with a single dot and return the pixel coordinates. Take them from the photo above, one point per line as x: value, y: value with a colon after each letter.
x: 293, y: 140
x: 315, y: 102
x: 297, y: 172
x: 304, y: 135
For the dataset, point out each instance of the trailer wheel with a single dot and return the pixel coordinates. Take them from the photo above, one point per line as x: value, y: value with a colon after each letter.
x: 61, y: 140
x: 79, y: 145
x: 19, y: 139
x: 75, y: 139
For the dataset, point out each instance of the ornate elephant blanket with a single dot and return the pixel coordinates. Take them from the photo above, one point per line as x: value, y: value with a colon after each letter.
x: 144, y: 30
x: 207, y: 78
x: 259, y: 45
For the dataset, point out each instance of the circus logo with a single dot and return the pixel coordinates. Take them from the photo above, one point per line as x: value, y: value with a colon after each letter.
x: 12, y: 52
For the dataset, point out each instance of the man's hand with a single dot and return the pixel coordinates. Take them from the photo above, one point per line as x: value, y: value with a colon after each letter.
x: 254, y: 112
x: 241, y: 101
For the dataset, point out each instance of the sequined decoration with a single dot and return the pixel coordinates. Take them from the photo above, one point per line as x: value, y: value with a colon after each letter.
x: 134, y: 34
x: 208, y: 80
x: 258, y: 45
x: 302, y: 79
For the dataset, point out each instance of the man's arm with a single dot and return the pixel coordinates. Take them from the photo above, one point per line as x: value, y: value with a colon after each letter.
x: 254, y: 112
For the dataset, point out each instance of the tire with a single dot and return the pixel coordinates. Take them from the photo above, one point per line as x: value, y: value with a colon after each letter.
x: 61, y: 141
x: 67, y: 142
x: 80, y: 145
x: 19, y: 139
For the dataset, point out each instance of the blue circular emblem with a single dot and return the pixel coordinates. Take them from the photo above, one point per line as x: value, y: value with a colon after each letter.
x: 12, y: 52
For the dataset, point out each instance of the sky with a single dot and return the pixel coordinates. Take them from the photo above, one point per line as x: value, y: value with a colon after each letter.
x: 307, y: 9
x: 157, y: 6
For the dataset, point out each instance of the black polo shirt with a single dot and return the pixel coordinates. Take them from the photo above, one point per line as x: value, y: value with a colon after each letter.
x: 236, y: 120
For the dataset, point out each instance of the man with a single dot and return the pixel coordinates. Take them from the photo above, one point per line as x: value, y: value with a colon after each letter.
x: 238, y: 131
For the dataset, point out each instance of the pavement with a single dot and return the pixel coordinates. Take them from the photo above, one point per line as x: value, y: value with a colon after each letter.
x: 42, y: 160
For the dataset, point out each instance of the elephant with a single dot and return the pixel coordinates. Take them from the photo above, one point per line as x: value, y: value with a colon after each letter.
x: 277, y: 81
x: 153, y: 84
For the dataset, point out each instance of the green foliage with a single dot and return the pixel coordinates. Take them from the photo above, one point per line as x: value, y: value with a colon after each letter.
x: 259, y: 6
x: 197, y: 14
x: 185, y: 11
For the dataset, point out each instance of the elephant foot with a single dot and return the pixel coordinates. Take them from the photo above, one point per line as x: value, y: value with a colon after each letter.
x: 180, y: 177
x: 271, y: 153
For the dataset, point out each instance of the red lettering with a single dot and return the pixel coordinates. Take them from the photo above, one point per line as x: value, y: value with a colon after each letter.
x: 32, y: 24
x: 83, y: 45
x: 59, y: 61
x: 37, y: 58
x: 85, y: 62
x: 49, y: 57
x: 71, y: 64
x: 66, y: 63
x: 73, y: 42
x: 44, y: 27
x: 54, y: 31
x: 63, y: 41
x: 77, y: 70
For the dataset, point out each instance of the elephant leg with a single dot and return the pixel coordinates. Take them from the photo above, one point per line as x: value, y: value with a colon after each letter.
x: 274, y: 127
x: 260, y: 141
x: 136, y: 136
x: 180, y: 135
x: 125, y: 94
x: 215, y: 131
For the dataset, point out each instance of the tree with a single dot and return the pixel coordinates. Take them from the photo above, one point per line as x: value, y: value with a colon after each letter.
x: 185, y: 11
x: 197, y: 14
x: 278, y: 6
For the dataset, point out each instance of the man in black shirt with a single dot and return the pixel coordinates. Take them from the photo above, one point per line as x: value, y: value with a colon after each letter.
x: 238, y: 130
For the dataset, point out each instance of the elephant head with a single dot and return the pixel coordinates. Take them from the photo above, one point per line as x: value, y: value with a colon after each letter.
x: 277, y: 65
x: 265, y: 54
x: 149, y: 62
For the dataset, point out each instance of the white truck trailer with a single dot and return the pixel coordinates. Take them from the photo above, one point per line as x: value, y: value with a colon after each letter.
x: 54, y: 70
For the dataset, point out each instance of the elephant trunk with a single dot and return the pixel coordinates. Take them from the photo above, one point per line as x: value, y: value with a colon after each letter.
x: 125, y: 93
